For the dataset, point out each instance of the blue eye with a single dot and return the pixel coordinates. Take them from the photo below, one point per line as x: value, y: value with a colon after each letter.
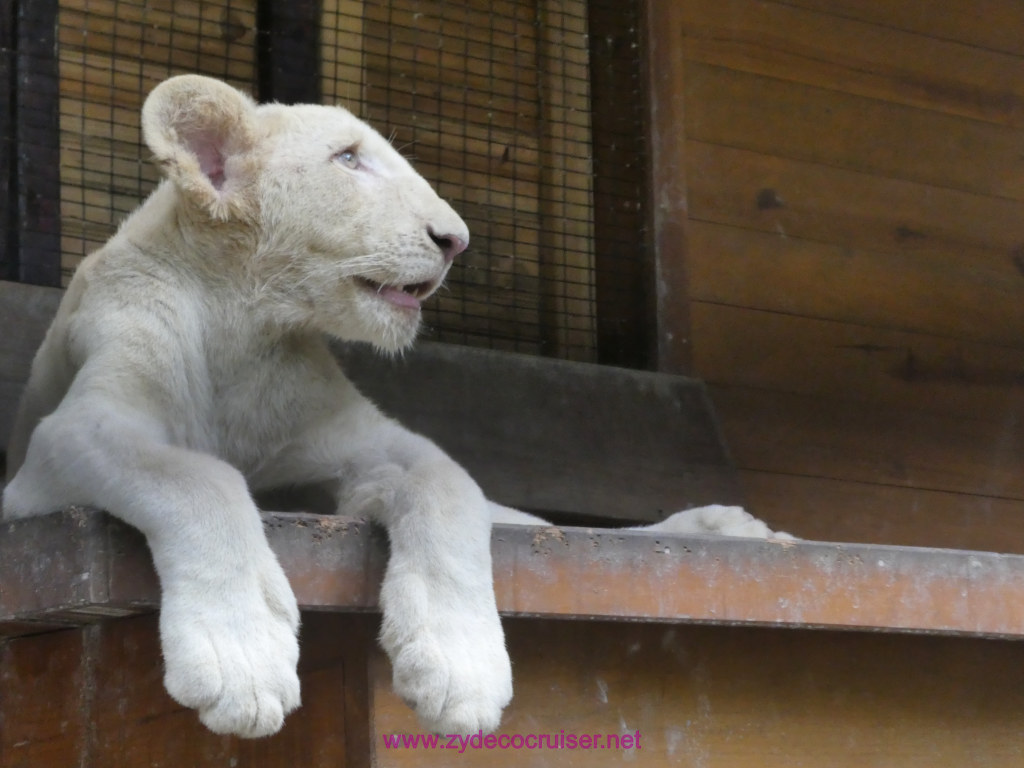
x: 348, y: 158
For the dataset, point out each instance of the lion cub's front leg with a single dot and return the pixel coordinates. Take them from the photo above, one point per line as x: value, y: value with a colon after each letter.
x: 228, y: 619
x: 440, y: 627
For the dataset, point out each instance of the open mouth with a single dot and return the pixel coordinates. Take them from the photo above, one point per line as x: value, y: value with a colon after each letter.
x: 408, y: 296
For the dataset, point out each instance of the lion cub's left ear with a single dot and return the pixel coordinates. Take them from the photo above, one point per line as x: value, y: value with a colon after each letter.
x: 202, y: 132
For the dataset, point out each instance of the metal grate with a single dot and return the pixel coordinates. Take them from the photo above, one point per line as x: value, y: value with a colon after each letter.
x: 111, y: 53
x: 492, y: 102
x: 491, y: 99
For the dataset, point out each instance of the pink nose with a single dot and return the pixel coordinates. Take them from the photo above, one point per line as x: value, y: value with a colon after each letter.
x: 450, y: 245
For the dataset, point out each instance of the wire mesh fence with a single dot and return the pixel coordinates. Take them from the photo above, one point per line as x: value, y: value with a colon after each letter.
x: 111, y: 53
x: 491, y: 100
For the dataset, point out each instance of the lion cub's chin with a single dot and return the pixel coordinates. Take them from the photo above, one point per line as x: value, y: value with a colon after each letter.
x: 388, y: 324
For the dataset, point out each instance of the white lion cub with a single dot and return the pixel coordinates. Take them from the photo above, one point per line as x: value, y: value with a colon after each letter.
x: 187, y: 366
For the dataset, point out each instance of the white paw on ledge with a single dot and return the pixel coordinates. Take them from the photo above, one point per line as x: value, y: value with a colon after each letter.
x: 717, y: 519
x: 448, y: 659
x: 231, y: 652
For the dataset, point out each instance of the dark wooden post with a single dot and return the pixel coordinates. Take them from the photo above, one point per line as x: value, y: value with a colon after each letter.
x: 288, y: 52
x: 31, y: 157
x: 8, y: 80
x: 622, y: 259
x: 664, y: 69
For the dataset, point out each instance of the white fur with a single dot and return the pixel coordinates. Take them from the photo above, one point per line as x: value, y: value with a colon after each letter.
x: 714, y: 519
x: 188, y: 364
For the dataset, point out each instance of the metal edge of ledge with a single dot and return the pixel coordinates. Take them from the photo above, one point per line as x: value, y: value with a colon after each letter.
x: 80, y: 566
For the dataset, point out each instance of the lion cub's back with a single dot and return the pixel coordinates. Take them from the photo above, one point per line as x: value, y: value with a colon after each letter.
x: 76, y: 329
x: 50, y: 377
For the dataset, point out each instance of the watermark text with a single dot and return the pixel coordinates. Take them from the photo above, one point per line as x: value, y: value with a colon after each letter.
x: 461, y: 743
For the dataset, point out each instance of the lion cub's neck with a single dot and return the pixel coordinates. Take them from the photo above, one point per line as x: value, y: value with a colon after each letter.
x: 210, y: 264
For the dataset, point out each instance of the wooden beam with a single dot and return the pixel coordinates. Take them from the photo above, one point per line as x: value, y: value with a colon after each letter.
x: 622, y: 252
x: 665, y: 65
x: 558, y: 437
x: 8, y: 156
x: 96, y: 567
x: 288, y: 51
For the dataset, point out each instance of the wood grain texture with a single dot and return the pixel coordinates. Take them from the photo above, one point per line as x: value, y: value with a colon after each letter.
x: 669, y: 173
x: 834, y: 128
x: 47, y: 692
x: 566, y: 197
x: 742, y: 698
x: 843, y: 439
x: 716, y: 696
x: 495, y: 106
x: 916, y: 372
x: 886, y: 51
x: 110, y: 55
x: 94, y: 697
x: 336, y: 564
x: 985, y: 24
x: 793, y: 198
x: 875, y: 513
x: 917, y: 289
x: 853, y: 245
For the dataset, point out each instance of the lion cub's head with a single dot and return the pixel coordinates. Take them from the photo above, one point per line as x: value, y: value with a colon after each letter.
x: 329, y: 224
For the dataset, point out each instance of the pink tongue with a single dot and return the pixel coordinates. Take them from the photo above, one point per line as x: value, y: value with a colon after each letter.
x: 399, y: 298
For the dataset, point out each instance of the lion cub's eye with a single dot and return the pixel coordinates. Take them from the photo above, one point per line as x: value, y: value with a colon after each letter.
x: 348, y: 158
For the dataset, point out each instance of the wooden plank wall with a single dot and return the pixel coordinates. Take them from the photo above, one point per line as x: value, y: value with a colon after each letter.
x: 702, y: 696
x: 855, y: 257
x: 94, y: 697
x: 722, y: 697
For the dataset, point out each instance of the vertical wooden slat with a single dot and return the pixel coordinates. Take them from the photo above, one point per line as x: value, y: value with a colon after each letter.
x: 622, y: 264
x: 664, y: 65
x: 355, y: 640
x: 36, y: 122
x: 8, y: 80
x: 288, y: 52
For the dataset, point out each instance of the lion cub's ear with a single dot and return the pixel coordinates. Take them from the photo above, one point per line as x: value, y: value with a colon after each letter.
x: 203, y: 134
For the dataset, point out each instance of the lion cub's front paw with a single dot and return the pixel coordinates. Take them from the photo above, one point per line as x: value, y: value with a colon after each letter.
x: 453, y: 671
x: 231, y: 652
